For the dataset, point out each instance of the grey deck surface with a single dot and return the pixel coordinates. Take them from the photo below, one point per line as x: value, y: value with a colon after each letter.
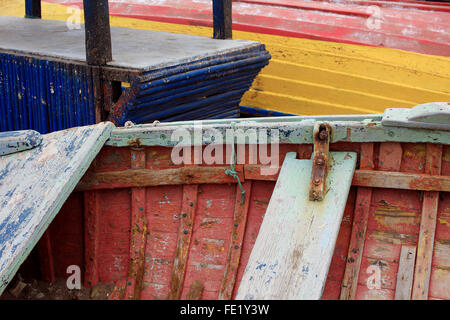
x: 136, y: 49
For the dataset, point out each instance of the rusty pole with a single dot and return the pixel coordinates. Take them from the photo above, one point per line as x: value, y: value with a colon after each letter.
x: 98, y: 32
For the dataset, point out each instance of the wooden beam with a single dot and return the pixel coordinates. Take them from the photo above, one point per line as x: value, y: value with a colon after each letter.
x: 46, y: 257
x: 98, y: 32
x: 33, y: 9
x: 373, y: 179
x: 91, y: 236
x: 405, y: 274
x: 204, y: 174
x: 359, y: 228
x: 148, y: 177
x: 237, y: 238
x: 189, y: 206
x: 428, y: 221
x: 138, y: 231
x: 222, y: 19
x: 401, y: 180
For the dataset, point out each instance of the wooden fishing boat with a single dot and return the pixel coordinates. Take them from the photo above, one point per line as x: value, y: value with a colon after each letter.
x: 55, y: 76
x: 345, y: 207
x: 327, y: 57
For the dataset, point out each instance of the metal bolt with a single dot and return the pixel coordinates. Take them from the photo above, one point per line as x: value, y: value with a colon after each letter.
x: 317, y: 181
x: 186, y: 232
x: 236, y: 247
x: 191, y: 204
x: 184, y: 215
x: 319, y: 161
x: 323, y: 135
x: 236, y: 224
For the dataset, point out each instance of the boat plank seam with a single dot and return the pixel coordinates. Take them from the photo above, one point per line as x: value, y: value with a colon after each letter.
x: 138, y: 234
x: 237, y: 238
x: 425, y: 245
x: 360, y: 221
x: 189, y: 207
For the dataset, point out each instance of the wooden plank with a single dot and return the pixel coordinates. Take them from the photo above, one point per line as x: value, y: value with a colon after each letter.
x: 237, y: 237
x: 34, y: 186
x: 296, y: 130
x: 196, y: 291
x: 16, y: 141
x: 150, y: 177
x: 360, y: 220
x: 91, y: 238
x: 356, y: 247
x: 428, y: 221
x: 138, y: 231
x: 372, y: 179
x: 401, y: 180
x: 46, y: 258
x: 294, y: 247
x: 189, y: 206
x: 405, y: 274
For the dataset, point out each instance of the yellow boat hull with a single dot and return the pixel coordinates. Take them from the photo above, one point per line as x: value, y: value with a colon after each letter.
x: 307, y: 77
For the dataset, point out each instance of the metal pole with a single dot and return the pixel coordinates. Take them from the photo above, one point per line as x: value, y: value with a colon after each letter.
x: 98, y: 32
x: 222, y: 19
x: 33, y: 9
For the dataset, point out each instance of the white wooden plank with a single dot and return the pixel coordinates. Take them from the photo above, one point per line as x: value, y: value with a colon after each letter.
x: 405, y: 275
x: 16, y: 141
x: 34, y: 184
x: 295, y: 244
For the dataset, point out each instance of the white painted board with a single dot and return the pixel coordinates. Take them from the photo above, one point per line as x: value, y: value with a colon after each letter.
x: 295, y: 244
x: 34, y: 184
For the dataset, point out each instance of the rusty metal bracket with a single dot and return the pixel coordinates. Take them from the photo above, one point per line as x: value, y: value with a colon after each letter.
x: 321, y: 159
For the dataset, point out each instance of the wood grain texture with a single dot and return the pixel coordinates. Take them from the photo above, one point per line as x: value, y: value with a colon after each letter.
x: 405, y: 274
x: 189, y: 206
x: 425, y: 245
x: 91, y: 238
x: 46, y: 258
x: 295, y: 244
x: 16, y: 141
x: 139, y: 232
x: 34, y: 186
x: 149, y: 177
x: 360, y: 220
x: 401, y: 180
x: 237, y: 238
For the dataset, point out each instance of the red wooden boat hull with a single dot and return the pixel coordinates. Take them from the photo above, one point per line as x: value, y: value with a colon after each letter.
x: 186, y: 229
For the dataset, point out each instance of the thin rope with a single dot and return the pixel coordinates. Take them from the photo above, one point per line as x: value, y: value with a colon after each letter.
x: 232, y: 172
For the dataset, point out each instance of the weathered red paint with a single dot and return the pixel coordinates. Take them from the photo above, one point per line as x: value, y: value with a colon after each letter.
x: 390, y: 217
x: 237, y: 237
x: 356, y: 246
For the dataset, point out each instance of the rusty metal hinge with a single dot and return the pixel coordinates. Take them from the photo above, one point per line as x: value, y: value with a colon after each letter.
x: 321, y: 139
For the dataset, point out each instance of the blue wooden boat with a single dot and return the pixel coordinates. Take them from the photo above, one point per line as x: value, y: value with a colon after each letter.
x: 54, y: 77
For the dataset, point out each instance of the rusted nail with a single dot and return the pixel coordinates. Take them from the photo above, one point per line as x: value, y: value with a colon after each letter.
x: 323, y: 135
